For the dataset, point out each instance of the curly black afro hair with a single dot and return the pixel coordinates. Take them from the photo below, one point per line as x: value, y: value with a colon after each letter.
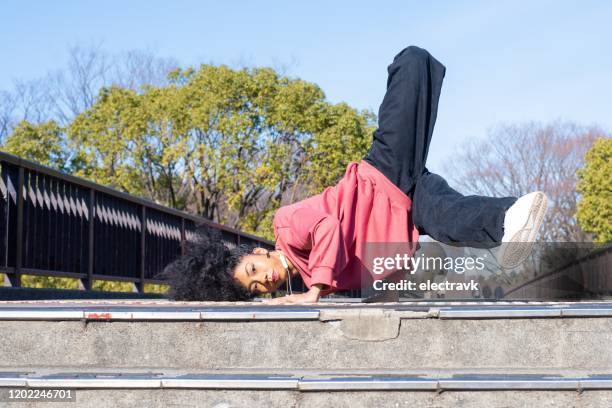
x: 205, y: 271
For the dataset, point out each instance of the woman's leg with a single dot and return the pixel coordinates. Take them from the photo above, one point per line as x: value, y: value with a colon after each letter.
x: 406, y: 117
x: 399, y: 150
x: 452, y: 218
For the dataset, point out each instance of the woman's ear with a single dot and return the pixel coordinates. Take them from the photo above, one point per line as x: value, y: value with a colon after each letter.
x: 260, y: 251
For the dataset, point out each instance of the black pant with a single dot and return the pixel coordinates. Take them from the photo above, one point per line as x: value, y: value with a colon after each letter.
x: 399, y: 150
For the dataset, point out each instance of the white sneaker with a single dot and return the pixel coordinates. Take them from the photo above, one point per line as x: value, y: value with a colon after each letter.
x: 521, y: 225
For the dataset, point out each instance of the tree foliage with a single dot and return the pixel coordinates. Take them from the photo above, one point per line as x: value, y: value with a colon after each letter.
x: 514, y: 160
x: 230, y: 145
x: 42, y: 143
x: 595, y: 185
x: 55, y: 282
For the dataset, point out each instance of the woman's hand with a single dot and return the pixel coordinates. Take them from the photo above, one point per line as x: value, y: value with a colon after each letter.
x: 312, y: 296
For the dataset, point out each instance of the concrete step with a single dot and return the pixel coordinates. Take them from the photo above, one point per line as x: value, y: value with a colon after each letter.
x: 303, y: 380
x: 133, y: 387
x: 427, y: 336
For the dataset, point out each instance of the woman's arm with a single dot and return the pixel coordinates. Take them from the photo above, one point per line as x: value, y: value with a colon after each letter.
x: 312, y: 296
x: 318, y: 233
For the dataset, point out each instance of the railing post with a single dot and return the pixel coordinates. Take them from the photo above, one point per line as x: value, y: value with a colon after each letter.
x: 143, y: 235
x: 90, y: 249
x: 19, y: 244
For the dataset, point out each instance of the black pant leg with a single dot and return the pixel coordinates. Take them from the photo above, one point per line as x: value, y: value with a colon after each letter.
x: 406, y: 117
x: 399, y: 150
x: 452, y: 218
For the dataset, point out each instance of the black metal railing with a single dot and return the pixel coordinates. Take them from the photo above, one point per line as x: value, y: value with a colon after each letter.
x: 585, y: 278
x: 55, y: 224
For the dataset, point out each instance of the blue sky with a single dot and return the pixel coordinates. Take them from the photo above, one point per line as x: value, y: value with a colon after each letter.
x: 506, y: 61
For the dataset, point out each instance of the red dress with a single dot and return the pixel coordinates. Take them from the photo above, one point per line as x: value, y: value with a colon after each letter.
x: 326, y: 236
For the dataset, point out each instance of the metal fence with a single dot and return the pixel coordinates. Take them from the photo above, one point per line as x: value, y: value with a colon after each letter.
x: 54, y: 224
x: 585, y: 278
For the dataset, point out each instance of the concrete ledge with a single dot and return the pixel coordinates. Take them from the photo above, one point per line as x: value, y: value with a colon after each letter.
x: 261, y: 315
x: 25, y: 314
x: 475, y: 382
x: 153, y: 315
x: 197, y: 338
x: 232, y: 382
x: 367, y: 384
x: 590, y: 312
x: 69, y: 382
x: 241, y: 311
x: 351, y: 313
x: 182, y: 397
x: 486, y: 313
x: 510, y: 383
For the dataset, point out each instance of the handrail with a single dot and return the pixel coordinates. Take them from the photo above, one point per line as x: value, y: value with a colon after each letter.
x: 21, y: 162
x: 57, y: 224
x: 604, y: 250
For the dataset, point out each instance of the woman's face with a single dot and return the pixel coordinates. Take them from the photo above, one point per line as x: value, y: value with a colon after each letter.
x: 260, y: 272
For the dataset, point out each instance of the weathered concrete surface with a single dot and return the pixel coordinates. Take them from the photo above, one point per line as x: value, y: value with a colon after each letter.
x: 249, y: 399
x: 353, y: 341
x: 567, y: 343
x: 370, y: 325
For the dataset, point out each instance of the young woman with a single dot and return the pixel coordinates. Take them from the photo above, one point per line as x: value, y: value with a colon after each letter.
x: 389, y: 196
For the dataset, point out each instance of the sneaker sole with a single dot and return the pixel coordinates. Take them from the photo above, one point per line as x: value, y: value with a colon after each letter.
x: 516, y: 251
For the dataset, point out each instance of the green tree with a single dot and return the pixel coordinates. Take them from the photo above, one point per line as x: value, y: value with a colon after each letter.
x: 36, y: 281
x: 42, y: 143
x: 112, y: 286
x: 103, y: 138
x: 231, y: 145
x: 515, y: 159
x: 595, y: 185
x: 343, y: 135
